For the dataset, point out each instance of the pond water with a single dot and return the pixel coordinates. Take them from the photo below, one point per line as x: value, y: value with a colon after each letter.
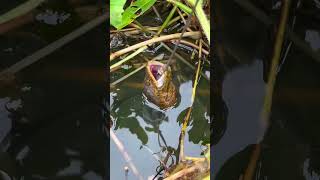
x: 289, y: 149
x: 144, y: 129
x: 51, y: 117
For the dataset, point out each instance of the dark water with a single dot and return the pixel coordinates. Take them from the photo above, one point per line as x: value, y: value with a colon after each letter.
x: 52, y: 127
x: 290, y: 146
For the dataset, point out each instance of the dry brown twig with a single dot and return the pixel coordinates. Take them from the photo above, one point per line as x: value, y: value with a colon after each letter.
x: 195, y: 35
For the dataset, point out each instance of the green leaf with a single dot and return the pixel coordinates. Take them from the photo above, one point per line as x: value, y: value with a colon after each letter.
x: 116, y: 10
x: 135, y: 10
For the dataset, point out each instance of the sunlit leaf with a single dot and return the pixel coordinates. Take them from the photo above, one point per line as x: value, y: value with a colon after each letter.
x: 116, y: 10
x: 135, y: 10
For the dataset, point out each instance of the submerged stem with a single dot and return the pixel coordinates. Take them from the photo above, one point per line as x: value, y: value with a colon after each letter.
x: 125, y: 154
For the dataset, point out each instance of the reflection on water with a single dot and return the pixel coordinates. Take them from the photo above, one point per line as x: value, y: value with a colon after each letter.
x: 144, y: 129
x: 50, y: 117
x: 244, y: 110
x: 290, y: 147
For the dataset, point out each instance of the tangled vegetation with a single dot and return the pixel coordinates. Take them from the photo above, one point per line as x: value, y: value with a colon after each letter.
x: 128, y: 18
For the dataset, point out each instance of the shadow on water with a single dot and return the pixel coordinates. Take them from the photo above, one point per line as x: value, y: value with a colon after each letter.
x: 51, y: 115
x: 290, y: 148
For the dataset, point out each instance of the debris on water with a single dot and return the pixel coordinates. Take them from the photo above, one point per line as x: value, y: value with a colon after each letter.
x: 126, y: 170
x: 14, y: 105
x: 116, y: 41
x: 208, y: 74
x: 182, y: 46
x: 52, y: 17
x: 26, y: 88
x: 126, y: 67
x: 8, y: 49
x: 23, y: 153
x: 313, y: 37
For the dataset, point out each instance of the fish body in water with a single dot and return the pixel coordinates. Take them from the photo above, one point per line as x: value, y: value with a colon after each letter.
x: 158, y: 85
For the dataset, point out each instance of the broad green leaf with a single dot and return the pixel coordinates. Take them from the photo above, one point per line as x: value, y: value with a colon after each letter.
x: 135, y: 10
x: 116, y: 10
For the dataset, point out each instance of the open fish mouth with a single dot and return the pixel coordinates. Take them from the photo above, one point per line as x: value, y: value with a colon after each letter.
x: 156, y: 70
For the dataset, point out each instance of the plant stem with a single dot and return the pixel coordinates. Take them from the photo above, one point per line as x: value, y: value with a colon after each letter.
x: 134, y: 30
x: 260, y: 15
x: 157, y: 13
x: 20, y: 10
x: 127, y: 75
x: 265, y: 114
x: 54, y: 46
x: 184, y: 21
x: 175, y: 19
x: 195, y: 84
x: 183, y: 60
x: 203, y: 22
x: 182, y: 6
x: 166, y: 22
x: 192, y: 45
x: 125, y: 154
x: 202, y: 18
x: 194, y: 35
x: 144, y: 46
x: 187, y: 117
x: 182, y: 33
x: 128, y: 57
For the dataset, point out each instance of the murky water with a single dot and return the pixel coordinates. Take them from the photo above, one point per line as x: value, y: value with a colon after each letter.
x: 51, y: 116
x: 290, y: 145
x: 144, y: 129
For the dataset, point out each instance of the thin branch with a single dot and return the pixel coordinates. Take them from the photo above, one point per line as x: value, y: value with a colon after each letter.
x: 183, y: 60
x: 195, y: 84
x: 187, y: 117
x: 20, y: 10
x: 184, y: 20
x: 141, y: 49
x: 192, y: 45
x: 127, y: 75
x: 182, y: 134
x: 260, y: 15
x: 250, y: 170
x: 176, y: 19
x: 157, y: 13
x: 131, y: 30
x: 114, y: 55
x: 265, y: 115
x: 16, y: 22
x: 275, y: 62
x: 128, y: 57
x: 53, y: 46
x: 125, y: 155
